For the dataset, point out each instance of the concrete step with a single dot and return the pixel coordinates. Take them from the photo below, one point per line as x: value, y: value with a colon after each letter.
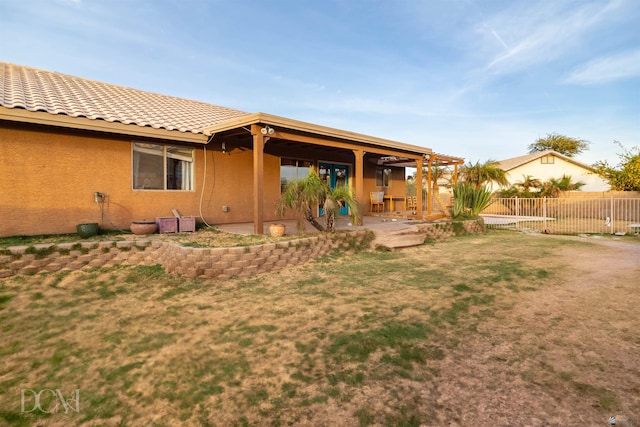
x: 399, y: 238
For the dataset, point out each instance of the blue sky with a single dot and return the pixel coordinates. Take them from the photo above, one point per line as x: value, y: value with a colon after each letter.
x: 480, y: 79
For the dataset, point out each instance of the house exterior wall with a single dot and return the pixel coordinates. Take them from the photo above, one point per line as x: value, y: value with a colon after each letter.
x: 48, y: 178
x: 560, y: 167
x: 47, y: 181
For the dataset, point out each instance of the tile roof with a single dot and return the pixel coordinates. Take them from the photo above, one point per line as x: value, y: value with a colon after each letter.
x: 55, y: 93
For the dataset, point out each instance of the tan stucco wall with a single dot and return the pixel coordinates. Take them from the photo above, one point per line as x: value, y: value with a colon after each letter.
x: 47, y: 181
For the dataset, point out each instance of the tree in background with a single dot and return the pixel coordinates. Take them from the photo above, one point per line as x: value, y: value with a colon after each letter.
x: 527, y: 188
x: 477, y: 174
x: 551, y: 188
x: 562, y: 144
x: 625, y: 176
x: 528, y: 183
x: 555, y: 186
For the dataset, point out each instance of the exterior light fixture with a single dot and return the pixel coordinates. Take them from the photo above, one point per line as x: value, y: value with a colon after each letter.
x: 267, y: 130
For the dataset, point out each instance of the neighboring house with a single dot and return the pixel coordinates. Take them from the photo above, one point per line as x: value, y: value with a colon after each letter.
x: 547, y: 164
x: 64, y: 138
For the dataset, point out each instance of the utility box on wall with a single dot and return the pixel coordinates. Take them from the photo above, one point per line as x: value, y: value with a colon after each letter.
x: 187, y: 224
x: 167, y: 225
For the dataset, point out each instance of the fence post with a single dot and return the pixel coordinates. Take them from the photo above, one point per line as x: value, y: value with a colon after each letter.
x: 613, y: 228
x: 544, y: 213
x: 517, y: 213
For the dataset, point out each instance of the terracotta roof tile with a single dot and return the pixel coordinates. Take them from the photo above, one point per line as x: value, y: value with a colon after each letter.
x: 38, y: 90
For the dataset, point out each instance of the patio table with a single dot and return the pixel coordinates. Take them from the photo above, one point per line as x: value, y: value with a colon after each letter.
x: 393, y: 199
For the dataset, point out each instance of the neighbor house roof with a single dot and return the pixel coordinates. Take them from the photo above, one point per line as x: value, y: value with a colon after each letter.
x: 514, y: 162
x: 37, y: 90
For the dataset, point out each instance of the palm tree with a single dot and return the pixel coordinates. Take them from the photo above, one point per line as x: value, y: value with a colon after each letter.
x: 306, y: 194
x: 480, y: 173
x: 527, y: 184
x: 437, y: 173
x: 555, y: 186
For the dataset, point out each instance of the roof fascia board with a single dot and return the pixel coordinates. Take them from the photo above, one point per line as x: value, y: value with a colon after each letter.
x: 558, y: 155
x: 296, y: 125
x: 42, y: 118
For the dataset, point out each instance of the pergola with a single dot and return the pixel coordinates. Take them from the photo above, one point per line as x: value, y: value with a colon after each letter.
x: 429, y: 160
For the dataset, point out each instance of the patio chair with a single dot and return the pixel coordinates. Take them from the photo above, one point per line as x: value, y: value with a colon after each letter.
x: 412, y: 202
x: 376, y: 199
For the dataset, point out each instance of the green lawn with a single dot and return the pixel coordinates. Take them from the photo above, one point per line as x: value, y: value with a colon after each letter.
x: 359, y: 339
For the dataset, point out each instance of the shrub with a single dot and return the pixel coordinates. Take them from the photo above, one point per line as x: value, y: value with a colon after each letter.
x: 469, y: 200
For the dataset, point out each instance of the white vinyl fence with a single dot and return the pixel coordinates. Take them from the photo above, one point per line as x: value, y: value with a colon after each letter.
x: 565, y: 215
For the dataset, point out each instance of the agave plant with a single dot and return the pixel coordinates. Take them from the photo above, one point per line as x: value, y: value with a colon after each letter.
x: 469, y: 200
x: 304, y: 195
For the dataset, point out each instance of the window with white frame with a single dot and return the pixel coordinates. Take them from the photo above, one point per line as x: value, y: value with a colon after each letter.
x: 162, y: 167
x: 383, y: 177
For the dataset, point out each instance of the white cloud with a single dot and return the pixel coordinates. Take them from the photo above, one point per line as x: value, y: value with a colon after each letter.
x: 541, y: 32
x: 606, y: 69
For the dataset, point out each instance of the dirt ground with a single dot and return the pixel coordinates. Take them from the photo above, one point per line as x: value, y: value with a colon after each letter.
x: 505, y: 376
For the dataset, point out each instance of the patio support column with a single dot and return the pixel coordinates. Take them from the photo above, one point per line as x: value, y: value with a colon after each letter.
x: 455, y: 174
x: 258, y: 178
x: 359, y: 178
x: 429, y: 186
x: 419, y: 187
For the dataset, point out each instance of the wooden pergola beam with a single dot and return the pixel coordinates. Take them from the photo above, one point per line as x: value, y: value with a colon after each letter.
x: 289, y: 136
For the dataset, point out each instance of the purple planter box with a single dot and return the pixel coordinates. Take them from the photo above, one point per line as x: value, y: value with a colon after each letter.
x: 167, y: 225
x: 187, y: 224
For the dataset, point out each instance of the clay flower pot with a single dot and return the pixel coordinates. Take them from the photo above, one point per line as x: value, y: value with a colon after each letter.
x: 277, y: 230
x: 143, y: 227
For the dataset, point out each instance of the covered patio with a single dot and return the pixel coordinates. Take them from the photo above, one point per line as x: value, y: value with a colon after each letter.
x: 266, y: 134
x: 278, y: 136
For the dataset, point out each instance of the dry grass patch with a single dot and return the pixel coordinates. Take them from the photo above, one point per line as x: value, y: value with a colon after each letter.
x: 501, y: 327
